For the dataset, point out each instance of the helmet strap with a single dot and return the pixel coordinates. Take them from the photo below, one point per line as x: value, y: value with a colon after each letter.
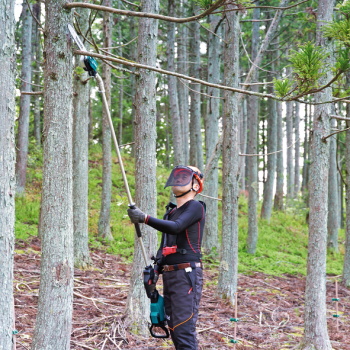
x: 184, y: 194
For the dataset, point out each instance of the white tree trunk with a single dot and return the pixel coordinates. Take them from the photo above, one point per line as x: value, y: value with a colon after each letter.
x: 7, y: 170
x: 145, y: 164
x: 55, y: 305
x: 290, y: 158
x: 228, y: 273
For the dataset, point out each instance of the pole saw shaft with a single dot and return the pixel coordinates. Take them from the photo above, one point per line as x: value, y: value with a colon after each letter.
x: 115, y: 141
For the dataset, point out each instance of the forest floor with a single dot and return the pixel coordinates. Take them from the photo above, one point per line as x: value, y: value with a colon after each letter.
x: 270, y: 308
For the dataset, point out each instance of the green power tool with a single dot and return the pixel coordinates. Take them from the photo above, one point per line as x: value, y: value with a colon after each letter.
x: 158, y: 323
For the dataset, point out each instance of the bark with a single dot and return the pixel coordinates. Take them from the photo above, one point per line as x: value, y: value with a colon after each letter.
x: 346, y: 267
x: 333, y: 193
x: 104, y: 227
x: 81, y: 160
x: 266, y: 209
x: 297, y: 149
x: 23, y: 120
x: 252, y: 147
x: 290, y: 159
x: 145, y: 163
x: 182, y: 68
x: 278, y: 200
x: 7, y: 170
x: 228, y: 273
x: 172, y: 90
x: 243, y: 144
x: 196, y: 151
x: 304, y: 184
x: 316, y: 333
x: 36, y: 38
x: 55, y: 305
x: 210, y: 238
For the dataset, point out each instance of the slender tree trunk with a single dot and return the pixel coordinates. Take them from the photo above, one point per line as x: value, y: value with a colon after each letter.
x: 297, y: 149
x: 196, y: 151
x: 81, y: 159
x: 54, y: 319
x: 266, y: 209
x: 305, y: 181
x: 278, y: 201
x: 23, y: 121
x: 210, y: 238
x: 316, y: 333
x: 333, y: 192
x: 36, y: 39
x: 290, y: 159
x: 228, y: 272
x: 172, y: 89
x: 346, y: 267
x: 252, y: 147
x: 243, y: 144
x: 145, y: 162
x: 104, y: 227
x: 7, y: 170
x: 182, y: 67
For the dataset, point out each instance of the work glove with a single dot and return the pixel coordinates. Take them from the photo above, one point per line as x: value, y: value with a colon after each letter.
x: 136, y: 215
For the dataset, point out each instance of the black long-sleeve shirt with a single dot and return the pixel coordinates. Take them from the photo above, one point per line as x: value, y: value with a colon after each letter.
x: 183, y: 228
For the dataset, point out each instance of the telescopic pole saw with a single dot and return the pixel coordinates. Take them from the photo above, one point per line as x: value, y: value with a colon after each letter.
x: 91, y: 66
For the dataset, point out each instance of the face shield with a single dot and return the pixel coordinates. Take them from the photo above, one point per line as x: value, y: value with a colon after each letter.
x: 180, y: 176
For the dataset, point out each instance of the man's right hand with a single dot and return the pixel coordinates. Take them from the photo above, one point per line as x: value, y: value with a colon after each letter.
x: 136, y: 215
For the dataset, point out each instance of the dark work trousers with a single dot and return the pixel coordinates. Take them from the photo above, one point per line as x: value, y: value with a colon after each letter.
x: 182, y: 293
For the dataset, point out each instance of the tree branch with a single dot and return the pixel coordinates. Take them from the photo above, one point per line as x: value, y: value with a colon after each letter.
x: 215, y: 6
x: 182, y: 76
x: 334, y: 133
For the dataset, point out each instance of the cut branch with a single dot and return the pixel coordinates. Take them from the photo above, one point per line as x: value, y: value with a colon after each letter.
x: 215, y: 6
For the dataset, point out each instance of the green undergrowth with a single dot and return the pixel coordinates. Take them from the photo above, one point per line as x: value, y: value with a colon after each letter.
x: 282, y: 243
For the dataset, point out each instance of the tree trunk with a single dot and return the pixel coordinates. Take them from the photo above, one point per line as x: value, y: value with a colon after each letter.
x: 54, y: 319
x: 278, y: 200
x: 304, y: 184
x: 252, y: 147
x: 23, y: 121
x: 290, y: 160
x: 266, y: 209
x: 228, y: 272
x: 196, y: 151
x: 210, y: 237
x: 81, y: 159
x: 346, y: 267
x: 333, y: 192
x: 297, y: 149
x: 316, y: 334
x: 182, y: 67
x: 145, y: 163
x: 172, y: 89
x: 7, y: 170
x: 104, y: 227
x: 36, y: 39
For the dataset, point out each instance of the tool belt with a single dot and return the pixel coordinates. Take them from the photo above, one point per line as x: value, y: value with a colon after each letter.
x: 182, y: 266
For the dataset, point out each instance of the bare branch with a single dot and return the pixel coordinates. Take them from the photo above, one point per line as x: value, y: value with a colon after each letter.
x: 215, y: 6
x: 334, y: 133
x: 339, y: 117
x: 267, y: 154
x: 32, y: 93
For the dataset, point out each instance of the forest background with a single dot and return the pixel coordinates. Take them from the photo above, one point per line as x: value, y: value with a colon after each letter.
x: 255, y: 94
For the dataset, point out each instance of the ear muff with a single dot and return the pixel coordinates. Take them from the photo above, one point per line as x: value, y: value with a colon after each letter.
x: 200, y: 182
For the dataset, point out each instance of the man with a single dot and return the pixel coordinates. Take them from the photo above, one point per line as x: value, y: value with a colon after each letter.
x: 179, y: 255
